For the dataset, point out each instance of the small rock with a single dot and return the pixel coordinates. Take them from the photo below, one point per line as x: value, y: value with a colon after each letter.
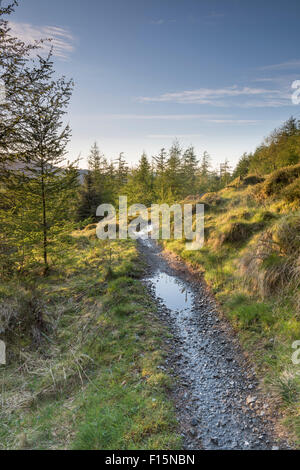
x: 250, y: 400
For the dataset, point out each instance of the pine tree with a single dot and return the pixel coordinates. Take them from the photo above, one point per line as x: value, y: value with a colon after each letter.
x: 205, y: 165
x: 94, y: 159
x: 14, y: 55
x: 205, y: 176
x: 174, y: 173
x: 140, y: 185
x: 96, y: 170
x: 160, y: 181
x: 243, y: 166
x: 88, y: 201
x: 41, y: 187
x: 189, y: 171
x: 98, y: 186
x: 225, y: 174
x: 121, y: 172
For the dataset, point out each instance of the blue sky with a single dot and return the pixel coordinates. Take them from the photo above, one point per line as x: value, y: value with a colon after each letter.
x: 213, y: 73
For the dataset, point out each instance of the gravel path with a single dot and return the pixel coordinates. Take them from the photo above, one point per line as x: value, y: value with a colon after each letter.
x: 218, y: 403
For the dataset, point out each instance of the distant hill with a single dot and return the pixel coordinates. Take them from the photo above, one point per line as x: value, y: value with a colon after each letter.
x: 18, y: 166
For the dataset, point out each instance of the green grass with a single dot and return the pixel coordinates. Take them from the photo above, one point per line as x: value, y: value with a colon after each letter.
x: 94, y: 381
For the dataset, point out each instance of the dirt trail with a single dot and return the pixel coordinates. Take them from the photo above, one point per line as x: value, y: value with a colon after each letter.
x: 218, y: 402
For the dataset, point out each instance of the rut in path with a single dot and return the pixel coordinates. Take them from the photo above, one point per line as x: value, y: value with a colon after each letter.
x: 218, y: 404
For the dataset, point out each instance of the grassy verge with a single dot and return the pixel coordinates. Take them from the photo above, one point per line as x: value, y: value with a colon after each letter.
x: 251, y: 263
x: 85, y: 375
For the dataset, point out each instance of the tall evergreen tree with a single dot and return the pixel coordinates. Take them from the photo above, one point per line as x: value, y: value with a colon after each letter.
x: 98, y: 187
x: 205, y: 175
x: 94, y: 158
x: 225, y: 174
x: 174, y: 173
x: 14, y: 55
x: 243, y: 166
x: 205, y: 165
x: 140, y: 185
x: 121, y: 172
x: 160, y: 181
x: 189, y: 171
x: 88, y: 199
x: 41, y: 187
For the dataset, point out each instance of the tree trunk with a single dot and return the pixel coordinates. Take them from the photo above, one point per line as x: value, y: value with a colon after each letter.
x: 44, y: 223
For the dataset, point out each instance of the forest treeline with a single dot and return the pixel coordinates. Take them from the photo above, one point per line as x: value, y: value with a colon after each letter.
x: 167, y: 177
x: 175, y: 174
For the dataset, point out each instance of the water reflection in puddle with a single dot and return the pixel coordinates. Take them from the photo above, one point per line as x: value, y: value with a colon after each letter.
x: 173, y: 293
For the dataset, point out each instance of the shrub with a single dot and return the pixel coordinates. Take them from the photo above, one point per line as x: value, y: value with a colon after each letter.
x: 239, y: 232
x: 23, y: 319
x: 212, y: 199
x: 288, y: 388
x: 279, y: 179
x: 287, y: 235
x: 292, y: 192
x: 267, y: 216
x: 252, y: 180
x: 236, y: 183
x: 273, y: 262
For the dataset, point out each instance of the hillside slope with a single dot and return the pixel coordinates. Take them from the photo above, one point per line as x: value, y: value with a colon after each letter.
x: 251, y: 261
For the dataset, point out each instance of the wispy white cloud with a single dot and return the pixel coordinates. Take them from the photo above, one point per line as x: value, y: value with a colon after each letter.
x: 211, y: 18
x: 62, y: 39
x: 289, y: 65
x: 215, y: 14
x: 157, y: 22
x: 234, y: 121
x: 205, y: 95
x: 172, y: 136
x: 165, y: 117
x: 161, y: 21
x: 208, y: 118
x: 272, y: 103
x: 225, y: 97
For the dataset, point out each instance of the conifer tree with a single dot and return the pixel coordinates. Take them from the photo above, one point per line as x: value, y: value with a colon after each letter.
x: 225, y: 174
x: 121, y: 172
x: 88, y: 199
x: 205, y: 165
x: 160, y: 179
x: 140, y: 185
x: 14, y: 55
x: 189, y: 171
x: 243, y: 166
x: 174, y: 173
x: 41, y: 188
